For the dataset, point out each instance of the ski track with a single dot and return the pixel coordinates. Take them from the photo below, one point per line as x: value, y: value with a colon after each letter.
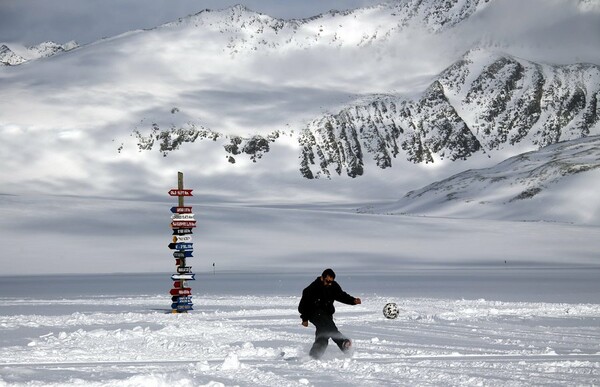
x: 239, y: 340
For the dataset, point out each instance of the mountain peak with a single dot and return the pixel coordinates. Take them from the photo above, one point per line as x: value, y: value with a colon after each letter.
x: 9, y: 58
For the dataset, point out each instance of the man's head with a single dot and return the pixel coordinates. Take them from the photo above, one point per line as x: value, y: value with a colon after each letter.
x: 328, y: 277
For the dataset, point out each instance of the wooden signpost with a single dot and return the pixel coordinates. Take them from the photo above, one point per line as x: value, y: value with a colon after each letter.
x: 182, y: 222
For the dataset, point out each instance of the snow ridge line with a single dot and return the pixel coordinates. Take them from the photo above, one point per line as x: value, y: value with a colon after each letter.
x: 258, y: 360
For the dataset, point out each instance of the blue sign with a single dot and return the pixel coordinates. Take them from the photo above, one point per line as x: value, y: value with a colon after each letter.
x: 181, y: 307
x: 180, y: 304
x: 182, y: 299
x: 181, y: 246
x: 183, y: 254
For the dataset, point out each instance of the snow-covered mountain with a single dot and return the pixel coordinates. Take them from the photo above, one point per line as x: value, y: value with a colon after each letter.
x: 482, y: 103
x: 531, y: 186
x: 398, y: 94
x: 19, y: 55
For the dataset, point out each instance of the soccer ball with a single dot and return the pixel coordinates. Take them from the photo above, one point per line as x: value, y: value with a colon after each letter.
x: 390, y: 310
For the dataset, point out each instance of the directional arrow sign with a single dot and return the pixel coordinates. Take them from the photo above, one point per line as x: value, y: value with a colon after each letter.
x: 182, y: 305
x: 183, y: 224
x: 183, y: 254
x: 182, y: 238
x: 189, y: 277
x: 182, y: 231
x: 181, y: 299
x: 181, y: 246
x: 183, y: 308
x: 182, y: 216
x: 181, y: 210
x: 180, y: 284
x: 184, y: 269
x: 181, y: 292
x: 181, y: 192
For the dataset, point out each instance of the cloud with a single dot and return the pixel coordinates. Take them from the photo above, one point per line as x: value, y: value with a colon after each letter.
x: 544, y: 30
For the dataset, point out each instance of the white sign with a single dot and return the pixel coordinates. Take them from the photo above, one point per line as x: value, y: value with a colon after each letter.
x: 182, y: 238
x: 182, y: 216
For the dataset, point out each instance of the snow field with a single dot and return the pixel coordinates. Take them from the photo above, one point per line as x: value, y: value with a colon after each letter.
x: 258, y: 340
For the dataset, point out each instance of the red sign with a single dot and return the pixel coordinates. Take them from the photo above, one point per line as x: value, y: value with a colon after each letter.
x: 181, y: 292
x: 181, y: 192
x: 178, y: 284
x: 183, y: 223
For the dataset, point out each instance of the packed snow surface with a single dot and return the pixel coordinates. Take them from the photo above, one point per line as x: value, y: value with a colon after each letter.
x: 245, y: 330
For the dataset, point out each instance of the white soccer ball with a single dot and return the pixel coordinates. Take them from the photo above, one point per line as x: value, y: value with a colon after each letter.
x: 390, y: 310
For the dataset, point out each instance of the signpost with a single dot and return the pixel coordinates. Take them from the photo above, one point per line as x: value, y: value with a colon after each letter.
x: 181, y: 192
x: 182, y: 222
x: 182, y: 238
x: 181, y: 291
x: 181, y: 210
x: 189, y: 277
x: 182, y: 231
x: 183, y: 254
x: 182, y: 216
x: 181, y: 246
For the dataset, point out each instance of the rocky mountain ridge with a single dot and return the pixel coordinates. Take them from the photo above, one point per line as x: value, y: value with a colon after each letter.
x: 482, y: 103
x: 252, y: 31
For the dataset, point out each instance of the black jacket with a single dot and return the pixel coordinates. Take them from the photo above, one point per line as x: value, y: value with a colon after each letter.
x: 318, y: 298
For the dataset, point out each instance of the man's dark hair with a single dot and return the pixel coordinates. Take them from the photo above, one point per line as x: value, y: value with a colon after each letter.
x: 328, y: 273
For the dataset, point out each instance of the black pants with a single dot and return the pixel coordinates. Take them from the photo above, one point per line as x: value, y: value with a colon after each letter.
x: 326, y: 330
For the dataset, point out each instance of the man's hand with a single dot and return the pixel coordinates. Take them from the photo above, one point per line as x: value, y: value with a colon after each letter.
x: 305, y: 323
x: 357, y: 301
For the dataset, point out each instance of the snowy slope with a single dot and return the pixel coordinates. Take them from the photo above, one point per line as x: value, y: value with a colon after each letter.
x: 250, y: 334
x: 556, y: 183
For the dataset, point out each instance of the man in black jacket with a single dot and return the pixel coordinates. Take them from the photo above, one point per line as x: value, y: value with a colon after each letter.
x: 316, y: 306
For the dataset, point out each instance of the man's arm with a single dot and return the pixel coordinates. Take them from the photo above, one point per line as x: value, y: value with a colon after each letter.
x: 345, y: 298
x: 305, y: 306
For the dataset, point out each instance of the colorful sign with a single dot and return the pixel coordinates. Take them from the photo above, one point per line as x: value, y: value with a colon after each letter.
x: 181, y: 291
x: 182, y: 307
x: 182, y: 238
x: 183, y: 224
x: 181, y: 210
x: 181, y: 192
x: 182, y: 231
x: 183, y: 254
x: 181, y: 246
x: 182, y: 299
x: 184, y: 269
x: 182, y: 216
x: 189, y: 277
